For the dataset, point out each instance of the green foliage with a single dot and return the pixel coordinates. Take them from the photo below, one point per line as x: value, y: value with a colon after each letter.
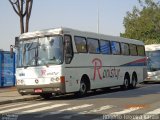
x: 143, y: 23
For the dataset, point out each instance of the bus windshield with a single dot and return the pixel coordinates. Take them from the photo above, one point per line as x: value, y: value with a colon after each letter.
x: 153, y: 60
x: 40, y: 51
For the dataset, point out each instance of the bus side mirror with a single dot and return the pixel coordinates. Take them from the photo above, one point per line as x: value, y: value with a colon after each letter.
x: 16, y: 41
x: 14, y: 46
x: 11, y: 51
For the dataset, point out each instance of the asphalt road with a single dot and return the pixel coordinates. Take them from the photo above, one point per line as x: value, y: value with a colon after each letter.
x: 139, y: 104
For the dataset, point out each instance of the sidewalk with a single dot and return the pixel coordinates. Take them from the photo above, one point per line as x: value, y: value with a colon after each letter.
x: 10, y: 95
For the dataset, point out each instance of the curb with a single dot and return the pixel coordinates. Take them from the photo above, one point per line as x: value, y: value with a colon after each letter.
x: 7, y: 89
x: 19, y: 100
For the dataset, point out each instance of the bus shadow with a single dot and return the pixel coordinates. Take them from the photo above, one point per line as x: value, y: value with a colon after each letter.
x: 137, y: 92
x: 152, y: 82
x: 72, y: 96
x: 113, y: 93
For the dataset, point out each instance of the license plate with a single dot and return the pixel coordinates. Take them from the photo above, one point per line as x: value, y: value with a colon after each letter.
x: 38, y: 91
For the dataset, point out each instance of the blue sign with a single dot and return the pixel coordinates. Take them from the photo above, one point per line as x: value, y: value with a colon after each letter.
x: 7, y: 69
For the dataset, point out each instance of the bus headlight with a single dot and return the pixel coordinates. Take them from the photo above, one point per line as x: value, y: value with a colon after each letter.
x: 20, y: 82
x: 57, y: 79
x: 60, y: 79
x: 53, y: 80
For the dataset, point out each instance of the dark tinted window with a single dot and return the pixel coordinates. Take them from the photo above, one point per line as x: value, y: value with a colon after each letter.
x: 141, y: 51
x: 133, y: 49
x: 125, y: 49
x: 80, y: 44
x: 93, y: 45
x: 68, y: 49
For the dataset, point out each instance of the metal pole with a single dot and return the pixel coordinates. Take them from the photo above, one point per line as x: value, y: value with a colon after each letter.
x: 98, y: 19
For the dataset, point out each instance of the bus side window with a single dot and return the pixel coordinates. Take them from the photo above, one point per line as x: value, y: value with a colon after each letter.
x: 133, y: 50
x: 93, y: 45
x: 115, y: 46
x: 125, y: 49
x: 141, y: 50
x: 68, y: 49
x: 80, y: 44
x: 105, y: 47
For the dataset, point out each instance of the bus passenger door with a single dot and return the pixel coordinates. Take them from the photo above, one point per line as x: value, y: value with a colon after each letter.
x: 68, y: 56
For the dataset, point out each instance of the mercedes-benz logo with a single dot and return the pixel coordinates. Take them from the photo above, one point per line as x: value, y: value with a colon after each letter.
x: 36, y: 81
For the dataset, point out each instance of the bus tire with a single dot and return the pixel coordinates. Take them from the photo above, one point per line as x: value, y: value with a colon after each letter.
x: 134, y: 81
x: 46, y: 96
x: 84, y: 86
x: 83, y: 89
x: 125, y: 85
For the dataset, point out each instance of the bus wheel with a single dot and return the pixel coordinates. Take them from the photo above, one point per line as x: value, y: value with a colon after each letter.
x: 125, y: 83
x: 83, y: 89
x: 134, y: 81
x: 46, y: 95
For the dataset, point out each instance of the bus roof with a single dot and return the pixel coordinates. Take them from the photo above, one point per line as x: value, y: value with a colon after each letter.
x: 152, y: 47
x: 64, y: 30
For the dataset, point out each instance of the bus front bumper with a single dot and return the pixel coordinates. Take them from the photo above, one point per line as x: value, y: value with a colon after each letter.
x: 40, y: 89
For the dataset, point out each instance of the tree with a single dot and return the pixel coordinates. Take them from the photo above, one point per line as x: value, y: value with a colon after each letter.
x: 143, y: 23
x: 23, y: 9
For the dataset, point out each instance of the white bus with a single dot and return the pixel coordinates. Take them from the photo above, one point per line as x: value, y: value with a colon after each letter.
x: 65, y: 60
x: 153, y: 62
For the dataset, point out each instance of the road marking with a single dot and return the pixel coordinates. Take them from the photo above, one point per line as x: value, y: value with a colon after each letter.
x: 152, y: 113
x: 13, y: 105
x: 89, y: 112
x: 126, y: 111
x: 67, y: 109
x: 43, y: 108
x: 115, y: 114
x: 155, y: 114
x: 19, y: 108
